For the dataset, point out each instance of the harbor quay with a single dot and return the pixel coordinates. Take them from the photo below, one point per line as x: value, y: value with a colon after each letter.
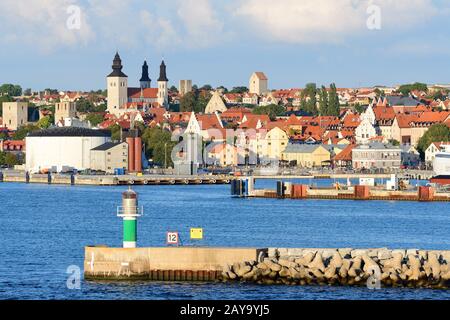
x: 394, y: 190
x: 271, y: 266
x: 109, y: 180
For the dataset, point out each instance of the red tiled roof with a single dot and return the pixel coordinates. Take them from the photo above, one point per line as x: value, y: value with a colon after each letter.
x: 346, y: 154
x: 148, y: 93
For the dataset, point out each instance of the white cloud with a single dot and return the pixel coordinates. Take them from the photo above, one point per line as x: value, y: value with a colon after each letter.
x: 200, y: 21
x: 42, y: 23
x: 313, y: 21
x: 159, y: 31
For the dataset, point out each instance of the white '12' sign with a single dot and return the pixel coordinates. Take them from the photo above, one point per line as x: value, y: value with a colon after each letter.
x: 172, y: 238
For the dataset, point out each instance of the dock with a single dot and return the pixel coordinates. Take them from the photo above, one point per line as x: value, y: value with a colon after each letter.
x: 110, y: 180
x: 244, y: 188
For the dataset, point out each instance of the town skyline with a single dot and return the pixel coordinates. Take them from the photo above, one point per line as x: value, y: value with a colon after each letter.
x: 222, y: 43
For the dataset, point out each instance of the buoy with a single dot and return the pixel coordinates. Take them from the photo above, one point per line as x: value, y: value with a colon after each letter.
x: 129, y: 212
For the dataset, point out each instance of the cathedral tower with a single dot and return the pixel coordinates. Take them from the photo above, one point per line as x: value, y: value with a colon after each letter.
x: 117, y: 86
x: 163, y: 90
x: 146, y: 82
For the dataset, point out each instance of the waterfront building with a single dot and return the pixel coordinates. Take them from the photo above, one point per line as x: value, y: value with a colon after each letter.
x: 274, y: 144
x: 376, y: 155
x: 441, y: 163
x: 15, y: 114
x: 259, y: 83
x: 109, y: 156
x: 307, y: 155
x: 433, y: 149
x: 61, y: 149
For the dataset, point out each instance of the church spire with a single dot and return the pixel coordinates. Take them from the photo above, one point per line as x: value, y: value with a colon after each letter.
x: 145, y: 79
x: 145, y: 76
x: 117, y: 67
x: 162, y: 73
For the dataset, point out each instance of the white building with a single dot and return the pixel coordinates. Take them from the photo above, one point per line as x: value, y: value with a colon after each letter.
x: 259, y: 83
x: 61, y: 149
x: 432, y: 150
x: 376, y: 155
x: 441, y: 163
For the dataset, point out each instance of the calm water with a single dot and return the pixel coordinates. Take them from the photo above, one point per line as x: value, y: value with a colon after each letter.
x: 44, y: 229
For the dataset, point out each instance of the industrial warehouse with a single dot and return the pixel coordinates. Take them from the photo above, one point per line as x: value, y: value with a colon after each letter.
x: 70, y: 149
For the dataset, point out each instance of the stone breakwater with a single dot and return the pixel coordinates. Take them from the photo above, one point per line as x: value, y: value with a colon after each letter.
x: 371, y: 267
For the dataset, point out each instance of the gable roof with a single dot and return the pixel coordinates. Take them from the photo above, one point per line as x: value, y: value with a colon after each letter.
x: 215, y: 104
x: 261, y: 75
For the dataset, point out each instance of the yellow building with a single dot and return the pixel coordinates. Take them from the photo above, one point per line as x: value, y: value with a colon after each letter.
x: 276, y: 141
x: 307, y: 155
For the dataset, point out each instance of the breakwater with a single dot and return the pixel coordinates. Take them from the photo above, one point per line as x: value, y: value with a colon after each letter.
x: 372, y: 267
x: 342, y: 267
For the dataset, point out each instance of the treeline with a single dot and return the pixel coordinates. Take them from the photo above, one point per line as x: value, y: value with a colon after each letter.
x: 320, y: 101
x: 12, y: 90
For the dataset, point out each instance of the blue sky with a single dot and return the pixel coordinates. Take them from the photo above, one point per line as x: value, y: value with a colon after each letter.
x: 221, y: 42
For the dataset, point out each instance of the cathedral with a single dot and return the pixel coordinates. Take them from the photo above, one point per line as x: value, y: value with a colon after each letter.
x: 122, y: 98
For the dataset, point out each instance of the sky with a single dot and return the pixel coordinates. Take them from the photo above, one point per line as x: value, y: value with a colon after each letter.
x: 70, y: 44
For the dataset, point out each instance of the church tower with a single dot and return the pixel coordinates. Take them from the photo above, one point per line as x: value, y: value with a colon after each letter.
x: 117, y: 85
x: 163, y: 90
x: 146, y: 82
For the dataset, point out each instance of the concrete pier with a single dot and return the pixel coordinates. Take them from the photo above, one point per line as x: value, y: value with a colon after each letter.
x: 380, y: 267
x: 92, y: 180
x: 164, y: 264
x: 292, y: 191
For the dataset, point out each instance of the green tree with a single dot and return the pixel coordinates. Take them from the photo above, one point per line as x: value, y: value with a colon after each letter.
x: 11, y: 90
x: 3, y: 135
x: 195, y: 101
x: 334, y: 107
x: 84, y: 105
x: 206, y: 87
x: 225, y: 90
x: 23, y: 131
x: 159, y: 145
x: 239, y: 90
x: 187, y: 102
x: 359, y: 108
x: 309, y: 99
x: 394, y: 142
x: 436, y: 133
x: 11, y: 159
x: 44, y: 122
x: 94, y: 118
x: 407, y: 88
x: 323, y: 101
x: 115, y: 132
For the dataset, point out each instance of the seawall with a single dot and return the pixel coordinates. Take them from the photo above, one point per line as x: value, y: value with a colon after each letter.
x: 109, y: 180
x: 164, y: 264
x: 344, y: 266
